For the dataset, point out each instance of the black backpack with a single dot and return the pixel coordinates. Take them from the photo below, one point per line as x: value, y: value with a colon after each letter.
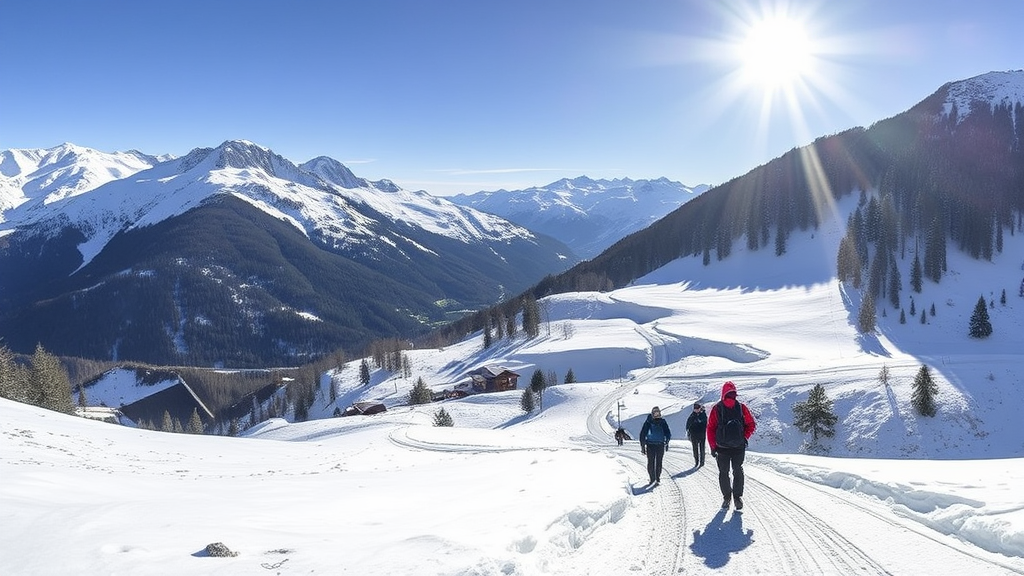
x: 729, y: 433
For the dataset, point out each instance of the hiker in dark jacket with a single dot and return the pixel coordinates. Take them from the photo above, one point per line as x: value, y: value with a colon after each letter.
x: 696, y: 430
x: 730, y: 425
x: 654, y: 438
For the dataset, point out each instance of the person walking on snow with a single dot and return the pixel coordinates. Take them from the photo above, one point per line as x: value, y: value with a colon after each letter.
x: 696, y: 429
x: 730, y: 425
x: 654, y: 438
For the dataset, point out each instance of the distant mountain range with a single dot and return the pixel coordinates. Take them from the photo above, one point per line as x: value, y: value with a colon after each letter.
x: 235, y: 256
x: 587, y: 215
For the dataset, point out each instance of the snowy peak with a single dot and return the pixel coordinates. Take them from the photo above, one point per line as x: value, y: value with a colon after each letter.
x: 586, y: 214
x: 993, y: 89
x: 33, y: 177
x: 333, y: 172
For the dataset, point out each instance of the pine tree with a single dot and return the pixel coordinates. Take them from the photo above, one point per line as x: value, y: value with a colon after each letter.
x: 420, y: 394
x: 233, y: 427
x: 195, y: 424
x: 980, y: 326
x: 526, y: 401
x: 537, y: 385
x: 50, y: 386
x: 866, y: 317
x: 895, y: 285
x: 923, y: 396
x: 9, y: 385
x: 1002, y: 297
x: 364, y: 372
x: 531, y: 317
x: 488, y: 338
x: 883, y: 376
x: 443, y: 419
x: 167, y: 424
x: 569, y: 377
x: 815, y: 415
x: 915, y: 275
x: 903, y: 317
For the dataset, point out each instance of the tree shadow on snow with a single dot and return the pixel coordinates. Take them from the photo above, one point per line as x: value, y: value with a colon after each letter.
x: 720, y: 539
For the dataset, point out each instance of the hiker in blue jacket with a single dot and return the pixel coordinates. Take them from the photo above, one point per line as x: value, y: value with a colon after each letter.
x: 654, y: 438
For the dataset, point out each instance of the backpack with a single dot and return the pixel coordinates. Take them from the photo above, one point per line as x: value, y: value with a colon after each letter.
x: 729, y: 432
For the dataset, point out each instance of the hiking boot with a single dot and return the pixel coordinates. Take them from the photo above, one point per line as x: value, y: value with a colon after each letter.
x: 739, y: 502
x: 725, y: 504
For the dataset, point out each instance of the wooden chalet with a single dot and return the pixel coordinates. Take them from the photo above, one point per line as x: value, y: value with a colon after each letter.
x: 494, y: 379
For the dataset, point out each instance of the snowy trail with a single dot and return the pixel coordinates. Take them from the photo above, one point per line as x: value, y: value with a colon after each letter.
x: 685, y: 531
x: 781, y: 526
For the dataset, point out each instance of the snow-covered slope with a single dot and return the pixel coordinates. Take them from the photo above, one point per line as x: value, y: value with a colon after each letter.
x: 588, y: 215
x: 31, y: 179
x: 992, y: 88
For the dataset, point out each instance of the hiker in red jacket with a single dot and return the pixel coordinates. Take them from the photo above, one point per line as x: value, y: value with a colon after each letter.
x: 730, y: 425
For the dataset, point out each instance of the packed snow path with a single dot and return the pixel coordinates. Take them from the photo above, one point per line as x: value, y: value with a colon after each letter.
x: 788, y: 525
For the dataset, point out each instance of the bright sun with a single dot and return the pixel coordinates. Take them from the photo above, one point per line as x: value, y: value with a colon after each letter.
x: 776, y: 53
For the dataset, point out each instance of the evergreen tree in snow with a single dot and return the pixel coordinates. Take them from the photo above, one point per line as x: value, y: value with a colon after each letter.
x: 980, y: 326
x: 569, y: 377
x: 442, y: 418
x: 195, y: 424
x: 167, y: 424
x: 815, y: 415
x: 883, y: 376
x: 420, y: 394
x: 916, y: 275
x: 364, y: 372
x: 49, y: 384
x: 537, y: 384
x: 526, y: 401
x: 10, y: 385
x: 866, y: 317
x: 903, y: 317
x: 923, y: 396
x: 1002, y: 297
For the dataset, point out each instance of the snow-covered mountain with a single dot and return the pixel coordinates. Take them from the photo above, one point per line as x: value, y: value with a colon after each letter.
x: 31, y: 179
x: 587, y: 215
x: 104, y: 194
x: 414, y: 259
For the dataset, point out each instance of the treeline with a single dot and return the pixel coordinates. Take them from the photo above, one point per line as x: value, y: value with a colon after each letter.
x: 41, y: 381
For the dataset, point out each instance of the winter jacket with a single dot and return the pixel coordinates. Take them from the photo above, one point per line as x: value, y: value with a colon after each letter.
x: 729, y: 401
x: 655, y: 431
x: 697, y: 425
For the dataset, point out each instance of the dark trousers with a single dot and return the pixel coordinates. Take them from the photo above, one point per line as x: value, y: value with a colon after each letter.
x: 731, y: 458
x: 698, y: 451
x: 655, y: 455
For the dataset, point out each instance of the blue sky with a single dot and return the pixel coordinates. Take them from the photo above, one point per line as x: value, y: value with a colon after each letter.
x: 460, y: 96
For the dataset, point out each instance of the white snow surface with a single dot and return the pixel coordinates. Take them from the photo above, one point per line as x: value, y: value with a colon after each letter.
x: 508, y: 493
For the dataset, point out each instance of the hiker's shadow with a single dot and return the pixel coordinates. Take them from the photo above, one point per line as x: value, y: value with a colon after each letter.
x: 640, y: 488
x: 720, y: 539
x: 685, y: 473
